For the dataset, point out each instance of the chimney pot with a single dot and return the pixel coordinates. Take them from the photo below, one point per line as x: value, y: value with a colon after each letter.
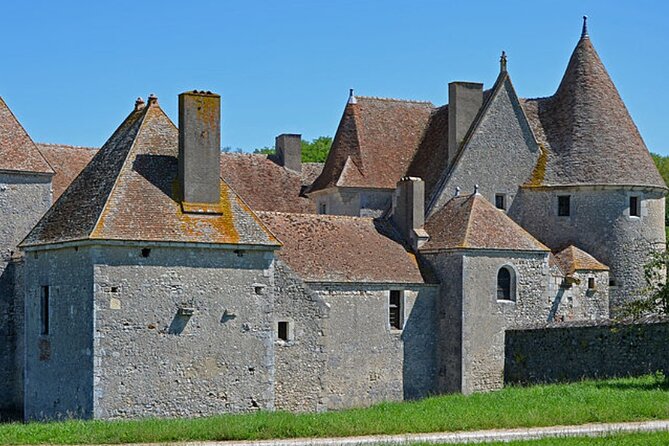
x: 200, y: 152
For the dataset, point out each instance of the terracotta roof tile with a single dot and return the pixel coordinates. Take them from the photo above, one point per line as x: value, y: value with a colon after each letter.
x: 310, y: 171
x: 572, y: 259
x: 128, y: 192
x: 329, y: 248
x: 471, y: 222
x: 587, y: 131
x: 265, y: 185
x: 375, y: 141
x: 67, y: 162
x: 17, y: 151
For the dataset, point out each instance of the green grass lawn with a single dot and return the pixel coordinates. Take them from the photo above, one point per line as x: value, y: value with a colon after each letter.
x: 646, y: 439
x: 631, y: 399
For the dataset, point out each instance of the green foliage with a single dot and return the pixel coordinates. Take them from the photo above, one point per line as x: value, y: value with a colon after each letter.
x: 662, y: 163
x: 228, y: 149
x: 654, y: 298
x: 628, y: 399
x: 314, y: 151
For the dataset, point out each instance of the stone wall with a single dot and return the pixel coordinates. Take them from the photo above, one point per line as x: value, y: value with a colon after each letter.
x: 599, y: 224
x: 367, y: 361
x: 571, y: 353
x: 182, y: 332
x: 573, y: 300
x: 11, y: 340
x: 59, y: 365
x: 300, y: 360
x: 500, y: 155
x: 357, y: 202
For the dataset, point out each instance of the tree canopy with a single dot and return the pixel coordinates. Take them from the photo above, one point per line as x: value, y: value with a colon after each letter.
x: 314, y: 151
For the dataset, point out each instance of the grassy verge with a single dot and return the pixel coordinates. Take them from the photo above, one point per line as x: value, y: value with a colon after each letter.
x: 629, y: 399
x: 646, y: 439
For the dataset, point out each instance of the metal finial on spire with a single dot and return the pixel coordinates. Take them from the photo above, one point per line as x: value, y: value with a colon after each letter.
x: 584, y: 33
x: 351, y: 97
x: 502, y: 62
x: 476, y: 189
x: 457, y: 191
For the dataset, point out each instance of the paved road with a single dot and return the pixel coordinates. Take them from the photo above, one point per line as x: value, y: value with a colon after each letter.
x: 585, y: 430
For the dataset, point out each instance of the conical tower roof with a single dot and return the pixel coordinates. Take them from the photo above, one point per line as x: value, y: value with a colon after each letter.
x: 588, y: 133
x: 18, y: 153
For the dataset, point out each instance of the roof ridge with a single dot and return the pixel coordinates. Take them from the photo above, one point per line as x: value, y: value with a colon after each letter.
x: 70, y: 146
x: 319, y: 216
x: 411, y: 101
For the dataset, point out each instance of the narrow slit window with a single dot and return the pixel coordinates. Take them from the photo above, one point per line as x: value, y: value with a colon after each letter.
x: 282, y: 330
x: 591, y: 283
x: 44, y: 310
x: 635, y: 209
x: 395, y: 309
x: 322, y: 209
x: 564, y: 206
x: 500, y: 202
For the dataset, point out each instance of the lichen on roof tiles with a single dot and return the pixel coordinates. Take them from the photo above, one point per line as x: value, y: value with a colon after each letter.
x: 128, y: 192
x: 573, y: 259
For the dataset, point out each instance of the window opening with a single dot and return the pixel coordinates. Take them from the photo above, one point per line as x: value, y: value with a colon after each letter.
x: 395, y: 309
x: 146, y: 252
x: 591, y: 283
x: 635, y: 210
x: 564, y: 206
x: 44, y: 310
x: 500, y: 202
x: 322, y: 209
x: 504, y: 284
x: 283, y: 330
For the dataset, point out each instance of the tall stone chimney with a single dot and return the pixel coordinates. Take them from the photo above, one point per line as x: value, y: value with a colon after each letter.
x: 464, y: 102
x: 409, y: 210
x: 289, y: 151
x: 200, y: 151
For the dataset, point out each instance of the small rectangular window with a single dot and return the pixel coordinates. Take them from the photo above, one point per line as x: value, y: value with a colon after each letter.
x: 283, y: 330
x: 635, y: 209
x: 44, y: 310
x: 322, y: 208
x: 564, y: 206
x: 395, y: 309
x: 591, y: 283
x: 500, y: 201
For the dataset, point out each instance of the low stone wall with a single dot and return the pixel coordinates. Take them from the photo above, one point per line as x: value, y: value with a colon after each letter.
x: 574, y: 352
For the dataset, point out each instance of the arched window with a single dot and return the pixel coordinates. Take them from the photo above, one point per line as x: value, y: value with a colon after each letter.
x: 504, y: 285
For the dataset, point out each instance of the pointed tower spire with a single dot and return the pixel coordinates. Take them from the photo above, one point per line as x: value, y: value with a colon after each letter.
x: 584, y: 32
x: 502, y: 62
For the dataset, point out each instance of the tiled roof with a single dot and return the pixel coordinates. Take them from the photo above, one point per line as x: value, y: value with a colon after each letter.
x: 471, y: 222
x: 587, y: 131
x: 265, y: 185
x: 128, y: 192
x: 374, y: 144
x: 329, y: 248
x: 573, y: 259
x: 18, y: 152
x: 67, y: 162
x: 310, y: 171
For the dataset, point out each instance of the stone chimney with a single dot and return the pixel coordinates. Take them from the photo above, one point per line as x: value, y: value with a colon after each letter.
x: 289, y: 151
x: 464, y: 102
x: 409, y: 210
x: 200, y: 151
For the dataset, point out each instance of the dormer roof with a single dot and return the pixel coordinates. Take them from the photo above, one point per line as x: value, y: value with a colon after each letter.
x: 573, y: 259
x: 586, y: 131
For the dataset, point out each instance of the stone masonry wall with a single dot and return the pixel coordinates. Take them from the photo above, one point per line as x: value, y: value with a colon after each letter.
x: 23, y: 200
x: 300, y: 361
x: 182, y: 331
x: 354, y: 201
x: 599, y: 224
x: 367, y: 361
x: 577, y: 352
x: 500, y: 156
x: 59, y: 365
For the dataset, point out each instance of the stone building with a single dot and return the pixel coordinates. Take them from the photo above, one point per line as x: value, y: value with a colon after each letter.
x: 157, y: 276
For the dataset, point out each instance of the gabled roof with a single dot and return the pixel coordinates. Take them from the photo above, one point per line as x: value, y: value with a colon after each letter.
x: 265, y: 185
x: 18, y: 152
x: 332, y: 248
x: 374, y: 144
x: 67, y: 162
x: 587, y: 131
x: 471, y: 222
x: 129, y: 192
x: 572, y: 259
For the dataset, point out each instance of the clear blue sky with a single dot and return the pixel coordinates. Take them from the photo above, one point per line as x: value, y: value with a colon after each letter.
x: 71, y: 70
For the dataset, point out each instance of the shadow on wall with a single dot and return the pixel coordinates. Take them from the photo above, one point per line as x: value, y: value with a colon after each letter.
x: 9, y: 405
x: 419, y: 367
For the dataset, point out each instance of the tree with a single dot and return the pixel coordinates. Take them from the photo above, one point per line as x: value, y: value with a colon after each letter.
x: 662, y: 163
x: 654, y: 298
x: 314, y: 151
